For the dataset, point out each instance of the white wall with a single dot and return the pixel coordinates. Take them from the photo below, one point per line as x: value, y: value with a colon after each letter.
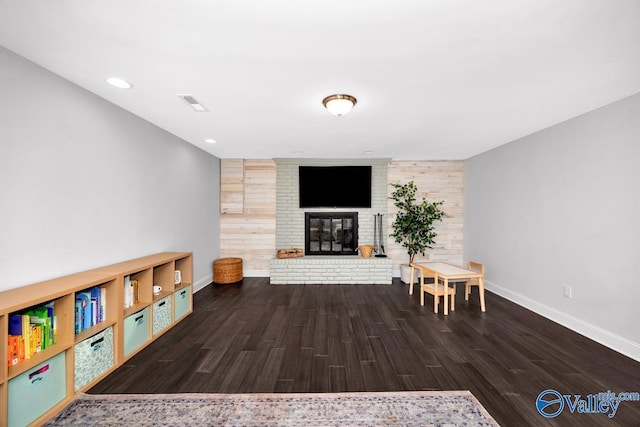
x: 562, y: 207
x: 84, y: 183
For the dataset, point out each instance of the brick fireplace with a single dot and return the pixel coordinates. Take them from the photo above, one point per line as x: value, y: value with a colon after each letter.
x: 291, y: 229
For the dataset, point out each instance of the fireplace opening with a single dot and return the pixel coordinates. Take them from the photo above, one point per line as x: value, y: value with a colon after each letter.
x: 331, y: 233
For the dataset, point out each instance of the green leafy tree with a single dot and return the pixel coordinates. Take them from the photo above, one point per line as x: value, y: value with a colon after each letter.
x: 413, y: 226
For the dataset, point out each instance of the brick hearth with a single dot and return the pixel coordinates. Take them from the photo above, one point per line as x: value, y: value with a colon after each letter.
x: 331, y: 270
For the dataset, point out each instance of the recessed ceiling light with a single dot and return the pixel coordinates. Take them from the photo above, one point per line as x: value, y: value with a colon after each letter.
x: 210, y: 140
x: 119, y: 83
x: 368, y: 152
x: 298, y: 153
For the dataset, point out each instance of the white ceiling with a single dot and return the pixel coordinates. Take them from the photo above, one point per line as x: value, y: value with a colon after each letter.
x: 434, y: 79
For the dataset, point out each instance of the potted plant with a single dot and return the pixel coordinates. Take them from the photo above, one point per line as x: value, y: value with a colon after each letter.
x: 413, y: 227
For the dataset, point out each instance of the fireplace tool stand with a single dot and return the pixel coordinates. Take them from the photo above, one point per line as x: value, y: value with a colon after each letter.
x: 378, y: 241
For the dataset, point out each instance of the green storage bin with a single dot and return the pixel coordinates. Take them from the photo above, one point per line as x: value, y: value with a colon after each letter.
x: 93, y: 357
x: 161, y: 314
x: 136, y: 330
x: 182, y: 301
x: 34, y: 392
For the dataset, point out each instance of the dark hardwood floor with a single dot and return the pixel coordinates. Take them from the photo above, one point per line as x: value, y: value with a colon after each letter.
x: 254, y: 337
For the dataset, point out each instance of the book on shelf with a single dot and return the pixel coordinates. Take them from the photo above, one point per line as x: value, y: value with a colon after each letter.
x: 15, y: 349
x: 128, y: 301
x: 15, y: 324
x: 78, y: 310
x: 131, y: 292
x: 36, y: 339
x: 85, y: 315
x: 103, y: 304
x: 26, y: 336
x: 89, y: 308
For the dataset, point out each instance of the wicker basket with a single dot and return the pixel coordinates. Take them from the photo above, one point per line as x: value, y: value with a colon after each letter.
x: 227, y: 270
x: 290, y: 253
x: 366, y: 250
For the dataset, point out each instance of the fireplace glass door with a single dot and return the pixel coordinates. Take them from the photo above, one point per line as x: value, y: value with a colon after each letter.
x: 331, y: 233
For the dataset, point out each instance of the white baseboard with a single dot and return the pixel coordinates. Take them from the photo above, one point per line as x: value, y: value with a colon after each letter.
x: 607, y: 338
x: 246, y: 273
x: 255, y: 273
x: 202, y: 283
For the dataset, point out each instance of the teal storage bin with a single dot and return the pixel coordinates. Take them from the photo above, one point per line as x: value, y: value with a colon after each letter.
x: 182, y: 302
x: 136, y: 330
x: 34, y: 392
x: 93, y: 357
x: 161, y: 314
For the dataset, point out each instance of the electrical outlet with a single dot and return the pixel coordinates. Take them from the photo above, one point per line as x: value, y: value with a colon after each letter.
x: 567, y: 291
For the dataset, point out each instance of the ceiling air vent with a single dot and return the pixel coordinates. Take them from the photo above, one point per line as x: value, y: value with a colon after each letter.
x: 192, y: 102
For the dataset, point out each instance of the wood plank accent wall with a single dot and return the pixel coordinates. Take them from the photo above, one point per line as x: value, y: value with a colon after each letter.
x: 436, y: 180
x: 231, y: 186
x: 248, y: 212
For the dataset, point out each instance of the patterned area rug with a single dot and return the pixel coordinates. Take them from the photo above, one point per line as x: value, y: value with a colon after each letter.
x: 419, y: 408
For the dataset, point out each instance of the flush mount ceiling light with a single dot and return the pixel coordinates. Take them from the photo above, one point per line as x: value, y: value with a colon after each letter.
x: 339, y: 104
x: 210, y: 140
x: 119, y: 83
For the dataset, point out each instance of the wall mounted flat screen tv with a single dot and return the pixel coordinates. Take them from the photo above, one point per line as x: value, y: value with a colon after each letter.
x: 335, y: 186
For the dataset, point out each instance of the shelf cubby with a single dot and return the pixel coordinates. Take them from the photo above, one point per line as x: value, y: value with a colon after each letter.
x: 38, y: 390
x: 107, y: 303
x: 63, y: 314
x: 143, y: 296
x: 162, y: 314
x: 182, y: 302
x: 137, y: 331
x: 163, y: 276
x: 94, y: 357
x: 185, y: 266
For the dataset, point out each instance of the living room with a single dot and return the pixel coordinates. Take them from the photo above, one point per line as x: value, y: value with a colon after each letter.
x: 87, y: 183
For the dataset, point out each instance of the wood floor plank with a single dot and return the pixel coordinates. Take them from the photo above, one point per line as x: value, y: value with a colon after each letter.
x: 223, y: 359
x: 291, y: 345
x: 360, y: 337
x: 307, y: 340
x: 302, y: 376
x: 388, y: 374
x: 320, y: 335
x: 334, y: 343
x: 353, y: 370
x: 337, y: 379
x: 232, y: 381
x: 268, y: 372
x: 372, y: 376
x: 319, y: 373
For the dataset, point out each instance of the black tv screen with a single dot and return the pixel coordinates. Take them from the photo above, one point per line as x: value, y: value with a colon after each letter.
x: 335, y: 186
